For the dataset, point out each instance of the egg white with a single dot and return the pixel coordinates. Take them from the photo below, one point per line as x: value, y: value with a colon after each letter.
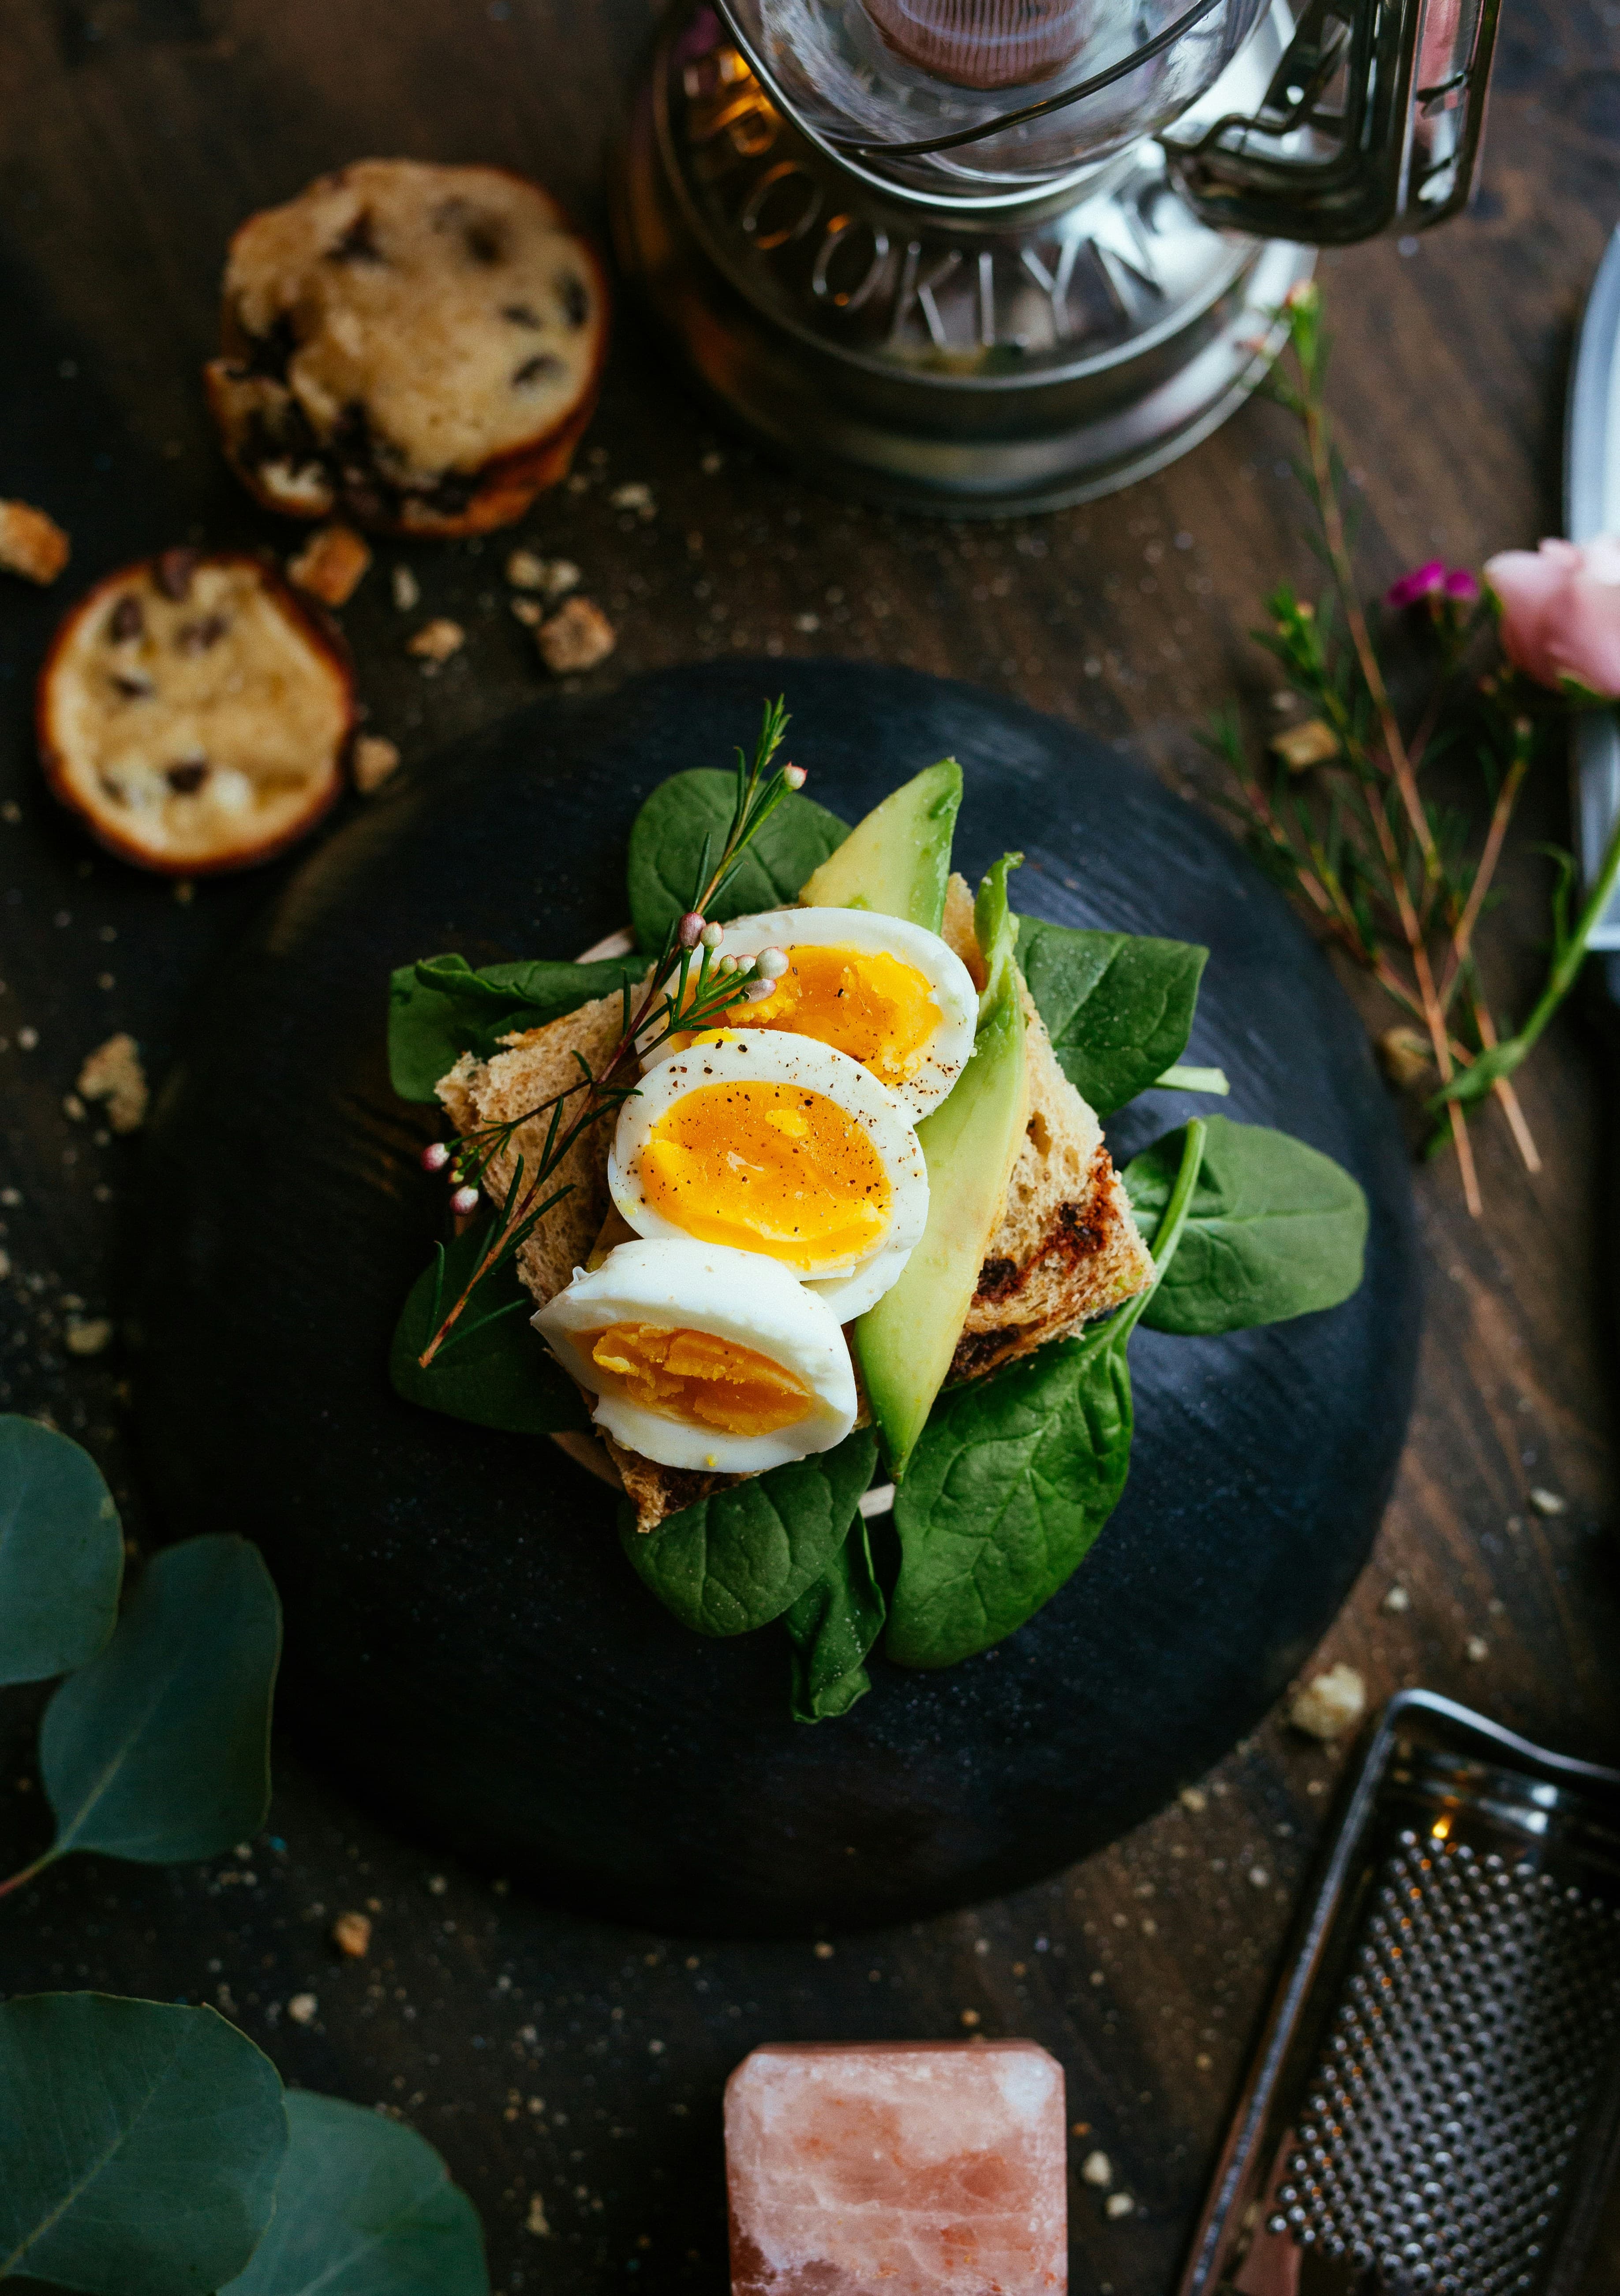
x: 849, y: 1283
x: 736, y: 1295
x: 946, y: 1050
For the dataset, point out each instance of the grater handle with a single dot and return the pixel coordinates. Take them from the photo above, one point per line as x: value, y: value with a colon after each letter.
x: 1373, y: 119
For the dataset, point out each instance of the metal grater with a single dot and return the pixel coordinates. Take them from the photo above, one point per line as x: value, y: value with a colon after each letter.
x: 1436, y: 2104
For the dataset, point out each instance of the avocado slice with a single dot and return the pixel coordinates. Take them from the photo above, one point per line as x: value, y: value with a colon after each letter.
x: 904, y: 1345
x: 897, y: 860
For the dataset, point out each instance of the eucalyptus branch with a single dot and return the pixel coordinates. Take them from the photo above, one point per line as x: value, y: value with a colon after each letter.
x: 690, y: 986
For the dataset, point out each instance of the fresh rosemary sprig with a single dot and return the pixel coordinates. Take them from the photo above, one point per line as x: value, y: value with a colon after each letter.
x: 1337, y: 812
x: 689, y: 987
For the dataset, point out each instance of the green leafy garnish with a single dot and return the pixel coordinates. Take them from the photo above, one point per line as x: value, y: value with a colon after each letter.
x: 736, y: 1560
x: 691, y: 812
x: 441, y: 1008
x: 831, y: 1628
x: 493, y: 1371
x: 1276, y: 1229
x: 1014, y: 1478
x: 139, y: 2144
x: 160, y: 1749
x: 365, y: 2207
x: 61, y: 1553
x: 1117, y: 1006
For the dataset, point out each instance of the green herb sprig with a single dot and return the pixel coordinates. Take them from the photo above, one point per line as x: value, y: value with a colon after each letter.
x: 691, y: 987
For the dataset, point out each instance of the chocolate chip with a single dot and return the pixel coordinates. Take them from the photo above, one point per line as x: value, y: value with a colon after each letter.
x: 174, y: 573
x: 196, y: 637
x: 485, y: 239
x: 521, y: 315
x: 271, y: 353
x: 543, y: 363
x: 575, y: 301
x: 189, y: 775
x: 358, y: 243
x: 126, y: 620
x: 133, y: 688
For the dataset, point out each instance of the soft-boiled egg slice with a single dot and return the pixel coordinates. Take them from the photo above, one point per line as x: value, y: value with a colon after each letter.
x: 702, y: 1358
x: 776, y: 1145
x: 889, y: 994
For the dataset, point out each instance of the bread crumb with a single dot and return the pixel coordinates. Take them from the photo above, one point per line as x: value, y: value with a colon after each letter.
x: 1548, y: 1502
x: 823, y: 1951
x: 351, y: 1935
x: 1397, y: 1600
x: 535, y: 2221
x: 577, y: 637
x: 1118, y: 2204
x: 561, y: 576
x: 437, y: 641
x: 330, y: 565
x: 1475, y: 1649
x: 1193, y: 1798
x: 112, y: 1072
x: 636, y: 496
x: 31, y: 544
x: 1098, y: 2170
x: 302, y: 2008
x: 1405, y: 1056
x: 529, y: 611
x: 970, y: 2018
x: 526, y: 570
x: 87, y: 1335
x: 437, y: 1885
x: 406, y: 590
x: 373, y: 760
x: 1332, y: 1704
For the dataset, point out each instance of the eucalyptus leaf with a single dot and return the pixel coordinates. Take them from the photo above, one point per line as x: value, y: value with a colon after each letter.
x: 736, y: 1560
x: 667, y: 851
x: 1118, y: 1007
x: 139, y: 2144
x: 365, y: 2207
x: 831, y: 1628
x: 440, y: 1008
x: 497, y: 1373
x: 1276, y: 1230
x: 160, y: 1749
x: 61, y: 1553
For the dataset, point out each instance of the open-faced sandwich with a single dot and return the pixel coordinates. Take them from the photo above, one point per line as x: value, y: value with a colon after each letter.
x: 784, y: 1184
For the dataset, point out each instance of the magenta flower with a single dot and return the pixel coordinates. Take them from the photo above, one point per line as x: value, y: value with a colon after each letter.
x: 1435, y: 581
x: 1560, y: 613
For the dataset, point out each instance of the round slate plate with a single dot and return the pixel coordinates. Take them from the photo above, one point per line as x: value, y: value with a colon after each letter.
x: 465, y: 1642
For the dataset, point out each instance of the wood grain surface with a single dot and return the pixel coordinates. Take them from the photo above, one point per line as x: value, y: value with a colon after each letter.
x: 571, y: 2073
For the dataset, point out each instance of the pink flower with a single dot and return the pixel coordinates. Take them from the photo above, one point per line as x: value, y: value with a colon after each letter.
x: 1561, y: 622
x: 1435, y: 581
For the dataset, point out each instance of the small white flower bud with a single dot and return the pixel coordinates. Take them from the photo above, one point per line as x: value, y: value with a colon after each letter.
x: 794, y: 776
x: 690, y: 930
x: 463, y: 1201
x: 435, y: 1156
x: 770, y: 963
x: 712, y: 935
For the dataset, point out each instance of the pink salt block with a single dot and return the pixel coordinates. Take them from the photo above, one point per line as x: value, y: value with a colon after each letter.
x: 898, y: 2168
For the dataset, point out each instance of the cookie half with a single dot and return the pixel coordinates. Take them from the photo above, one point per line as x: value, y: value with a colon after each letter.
x: 419, y: 347
x: 196, y: 713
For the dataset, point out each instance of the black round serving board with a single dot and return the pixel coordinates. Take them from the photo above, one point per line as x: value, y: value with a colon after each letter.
x: 465, y: 1642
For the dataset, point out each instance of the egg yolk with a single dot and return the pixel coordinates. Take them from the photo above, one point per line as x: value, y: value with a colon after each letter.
x: 862, y: 1001
x: 696, y: 1375
x: 768, y: 1168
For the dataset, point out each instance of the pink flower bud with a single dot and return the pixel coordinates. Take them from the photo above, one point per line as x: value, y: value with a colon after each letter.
x: 757, y: 991
x: 463, y: 1201
x: 435, y: 1156
x: 794, y: 776
x: 770, y: 963
x: 690, y: 930
x: 1560, y: 613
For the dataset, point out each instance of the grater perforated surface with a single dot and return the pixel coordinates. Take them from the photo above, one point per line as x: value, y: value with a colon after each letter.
x: 1480, y: 2011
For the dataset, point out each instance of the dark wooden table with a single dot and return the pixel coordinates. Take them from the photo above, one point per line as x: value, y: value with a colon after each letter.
x: 572, y: 2072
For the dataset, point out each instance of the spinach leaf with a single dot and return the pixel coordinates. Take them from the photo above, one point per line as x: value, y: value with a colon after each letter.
x: 365, y: 2207
x: 140, y: 2142
x: 1014, y: 1478
x: 496, y: 1372
x: 1118, y: 1007
x: 667, y: 851
x: 61, y: 1553
x: 160, y: 1749
x: 737, y: 1560
x: 1276, y: 1230
x: 440, y: 1008
x: 832, y: 1626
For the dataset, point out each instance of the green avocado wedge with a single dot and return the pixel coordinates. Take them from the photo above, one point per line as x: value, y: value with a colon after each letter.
x: 970, y: 1143
x: 897, y: 860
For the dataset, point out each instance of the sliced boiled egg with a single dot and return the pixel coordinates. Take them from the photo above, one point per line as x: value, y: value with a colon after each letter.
x: 776, y: 1145
x: 889, y: 994
x: 701, y: 1358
